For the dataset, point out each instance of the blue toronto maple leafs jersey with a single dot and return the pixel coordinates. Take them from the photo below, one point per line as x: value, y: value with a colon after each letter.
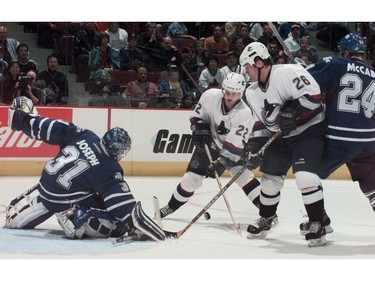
x: 349, y: 89
x: 80, y: 169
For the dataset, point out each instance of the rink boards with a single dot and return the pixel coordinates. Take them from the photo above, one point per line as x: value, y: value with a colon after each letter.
x: 161, y: 140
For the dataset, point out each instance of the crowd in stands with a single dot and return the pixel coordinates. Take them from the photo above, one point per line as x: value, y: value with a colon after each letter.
x: 153, y: 64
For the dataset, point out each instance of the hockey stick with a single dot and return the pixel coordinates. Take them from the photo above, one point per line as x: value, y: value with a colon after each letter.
x: 157, y: 211
x: 236, y: 225
x: 121, y: 240
x: 192, y: 79
x: 178, y: 234
x: 277, y: 34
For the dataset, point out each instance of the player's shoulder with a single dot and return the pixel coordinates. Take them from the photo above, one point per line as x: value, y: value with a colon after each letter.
x: 331, y: 60
x: 211, y: 94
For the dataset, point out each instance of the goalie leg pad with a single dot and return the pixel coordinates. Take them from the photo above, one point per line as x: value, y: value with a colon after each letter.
x: 26, y: 211
x: 79, y: 223
x: 144, y: 227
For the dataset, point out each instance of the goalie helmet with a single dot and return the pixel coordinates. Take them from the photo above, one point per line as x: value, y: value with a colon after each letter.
x: 252, y: 51
x: 117, y: 143
x: 234, y: 83
x: 353, y: 43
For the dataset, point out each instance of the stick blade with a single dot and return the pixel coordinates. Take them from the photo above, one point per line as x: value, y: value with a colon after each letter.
x: 155, y: 201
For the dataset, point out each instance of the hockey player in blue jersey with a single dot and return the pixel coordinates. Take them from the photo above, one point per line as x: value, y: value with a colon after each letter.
x: 349, y: 87
x: 83, y: 185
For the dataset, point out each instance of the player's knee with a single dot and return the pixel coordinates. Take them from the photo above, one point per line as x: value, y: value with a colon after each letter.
x: 307, y: 180
x: 271, y: 184
x: 191, y: 181
x: 81, y: 222
x: 26, y: 211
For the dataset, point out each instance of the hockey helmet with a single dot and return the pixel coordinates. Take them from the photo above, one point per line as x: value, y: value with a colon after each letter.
x: 353, y: 43
x: 252, y: 51
x: 234, y: 83
x: 117, y: 143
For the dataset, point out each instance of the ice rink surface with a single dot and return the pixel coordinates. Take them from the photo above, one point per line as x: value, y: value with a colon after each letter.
x: 211, y: 247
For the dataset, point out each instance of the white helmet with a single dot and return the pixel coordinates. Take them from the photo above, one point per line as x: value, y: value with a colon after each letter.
x: 252, y: 51
x: 234, y: 83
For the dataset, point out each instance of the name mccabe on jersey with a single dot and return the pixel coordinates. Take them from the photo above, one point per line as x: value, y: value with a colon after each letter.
x: 88, y: 152
x: 352, y: 67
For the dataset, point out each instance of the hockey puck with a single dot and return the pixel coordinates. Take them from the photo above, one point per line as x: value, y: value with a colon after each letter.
x: 207, y: 215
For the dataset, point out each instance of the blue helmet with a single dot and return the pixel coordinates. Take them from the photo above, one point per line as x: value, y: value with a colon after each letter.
x: 353, y: 43
x: 117, y: 142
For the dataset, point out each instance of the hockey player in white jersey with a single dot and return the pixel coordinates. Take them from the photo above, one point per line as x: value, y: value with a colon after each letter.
x: 287, y: 98
x: 222, y: 121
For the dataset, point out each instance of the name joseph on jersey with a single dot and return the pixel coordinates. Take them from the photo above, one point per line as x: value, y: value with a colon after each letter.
x: 88, y: 152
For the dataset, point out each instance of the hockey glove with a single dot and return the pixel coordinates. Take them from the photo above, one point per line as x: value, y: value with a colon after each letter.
x: 254, y: 161
x: 287, y: 120
x: 219, y: 165
x: 201, y: 133
x: 20, y: 108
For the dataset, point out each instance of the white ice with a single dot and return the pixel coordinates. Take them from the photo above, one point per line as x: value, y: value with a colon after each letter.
x: 211, y: 246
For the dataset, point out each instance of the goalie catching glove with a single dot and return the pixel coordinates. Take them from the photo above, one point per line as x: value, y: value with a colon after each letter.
x: 20, y: 109
x: 201, y: 133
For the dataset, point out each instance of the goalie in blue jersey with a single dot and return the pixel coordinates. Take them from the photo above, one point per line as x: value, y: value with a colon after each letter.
x: 83, y: 185
x: 349, y: 87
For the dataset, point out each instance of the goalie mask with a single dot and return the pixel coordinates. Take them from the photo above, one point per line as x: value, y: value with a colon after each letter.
x: 252, y: 51
x: 117, y: 143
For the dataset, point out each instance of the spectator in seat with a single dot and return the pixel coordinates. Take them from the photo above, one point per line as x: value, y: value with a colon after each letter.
x: 238, y: 46
x: 54, y: 83
x: 85, y: 41
x: 162, y: 54
x: 195, y: 59
x: 268, y: 36
x: 232, y: 65
x: 245, y: 35
x: 173, y: 86
x: 140, y: 90
x: 9, y: 45
x: 118, y: 37
x: 179, y: 30
x: 217, y: 43
x: 211, y: 76
x: 273, y: 49
x: 30, y: 89
x: 187, y: 101
x: 103, y: 59
x: 23, y: 60
x: 131, y: 57
x: 109, y: 97
x: 148, y: 37
x: 293, y: 41
x: 305, y: 48
x: 9, y: 84
x: 3, y: 65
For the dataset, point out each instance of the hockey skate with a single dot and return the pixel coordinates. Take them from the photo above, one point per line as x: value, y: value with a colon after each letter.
x: 165, y: 211
x: 305, y: 226
x: 316, y: 235
x: 261, y: 227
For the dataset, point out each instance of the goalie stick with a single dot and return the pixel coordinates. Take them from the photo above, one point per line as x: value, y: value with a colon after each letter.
x: 121, y: 240
x: 157, y: 211
x: 178, y: 234
x: 236, y: 225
